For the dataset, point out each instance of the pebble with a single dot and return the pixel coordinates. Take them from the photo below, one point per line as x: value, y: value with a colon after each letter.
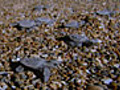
x: 4, y: 73
x: 117, y: 65
x: 13, y: 87
x: 60, y: 59
x: 94, y: 88
x: 96, y: 41
x: 19, y: 69
x: 107, y: 81
x: 15, y: 60
x: 44, y: 55
x: 4, y: 87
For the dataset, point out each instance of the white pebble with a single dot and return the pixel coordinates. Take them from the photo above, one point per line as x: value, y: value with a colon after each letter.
x: 93, y: 50
x: 60, y: 59
x: 88, y: 71
x: 13, y: 87
x: 45, y: 55
x: 117, y: 65
x: 107, y: 81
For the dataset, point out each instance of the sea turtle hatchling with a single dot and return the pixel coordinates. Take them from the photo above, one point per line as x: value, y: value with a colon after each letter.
x: 27, y: 24
x: 41, y: 65
x: 73, y: 24
x: 75, y: 40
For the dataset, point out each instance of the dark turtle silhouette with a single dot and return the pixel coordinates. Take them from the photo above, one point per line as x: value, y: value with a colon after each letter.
x: 40, y: 65
x: 75, y: 40
x: 27, y: 24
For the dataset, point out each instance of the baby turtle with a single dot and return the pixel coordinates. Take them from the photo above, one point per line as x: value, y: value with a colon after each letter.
x: 43, y: 20
x: 40, y: 7
x: 73, y: 24
x: 24, y: 24
x: 41, y: 65
x: 106, y: 12
x: 75, y: 40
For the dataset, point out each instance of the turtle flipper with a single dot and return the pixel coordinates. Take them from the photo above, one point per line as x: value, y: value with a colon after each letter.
x: 46, y: 74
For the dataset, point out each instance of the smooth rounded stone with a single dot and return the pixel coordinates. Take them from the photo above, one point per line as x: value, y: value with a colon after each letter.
x: 96, y: 41
x: 73, y: 24
x: 117, y: 65
x: 94, y: 88
x: 107, y: 81
x: 4, y: 87
x: 15, y: 60
x: 13, y: 87
x: 4, y: 73
x: 44, y: 55
x: 19, y: 69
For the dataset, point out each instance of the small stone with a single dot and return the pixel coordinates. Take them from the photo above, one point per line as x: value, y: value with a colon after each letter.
x: 96, y: 41
x: 19, y: 69
x: 44, y: 55
x: 117, y: 65
x: 4, y: 73
x: 88, y: 71
x: 107, y: 81
x: 60, y: 59
x: 14, y: 87
x: 94, y: 88
x: 16, y: 60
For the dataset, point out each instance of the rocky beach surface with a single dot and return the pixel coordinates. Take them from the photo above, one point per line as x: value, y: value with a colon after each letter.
x: 59, y: 45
